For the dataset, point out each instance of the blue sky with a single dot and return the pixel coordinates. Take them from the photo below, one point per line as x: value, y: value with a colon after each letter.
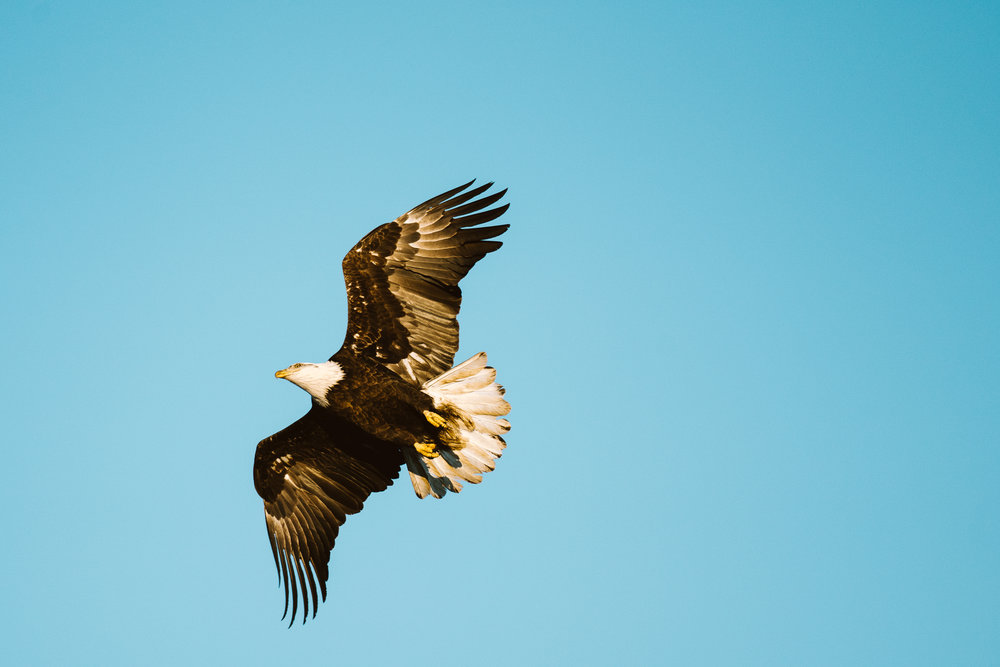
x: 746, y: 313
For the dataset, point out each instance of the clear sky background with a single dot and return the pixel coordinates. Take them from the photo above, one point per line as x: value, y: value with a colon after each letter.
x: 747, y: 314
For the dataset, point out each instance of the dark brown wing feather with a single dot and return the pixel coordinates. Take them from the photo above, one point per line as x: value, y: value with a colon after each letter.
x: 402, y: 281
x: 311, y: 475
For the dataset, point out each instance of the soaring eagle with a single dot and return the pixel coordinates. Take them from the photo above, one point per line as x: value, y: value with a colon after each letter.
x: 390, y: 395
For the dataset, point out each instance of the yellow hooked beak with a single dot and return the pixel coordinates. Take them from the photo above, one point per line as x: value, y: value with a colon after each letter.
x: 282, y: 373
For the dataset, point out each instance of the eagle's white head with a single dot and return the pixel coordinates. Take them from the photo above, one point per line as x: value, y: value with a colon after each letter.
x: 317, y: 379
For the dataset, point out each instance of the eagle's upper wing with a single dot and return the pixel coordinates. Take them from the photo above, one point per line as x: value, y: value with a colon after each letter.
x: 402, y: 281
x: 311, y: 475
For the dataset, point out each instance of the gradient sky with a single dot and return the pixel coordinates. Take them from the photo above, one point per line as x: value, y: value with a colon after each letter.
x: 746, y: 314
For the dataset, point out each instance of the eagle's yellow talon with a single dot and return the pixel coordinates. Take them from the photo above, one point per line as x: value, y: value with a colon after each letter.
x: 436, y: 420
x: 427, y: 449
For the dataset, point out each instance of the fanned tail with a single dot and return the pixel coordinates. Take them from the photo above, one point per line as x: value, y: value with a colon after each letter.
x: 468, y: 397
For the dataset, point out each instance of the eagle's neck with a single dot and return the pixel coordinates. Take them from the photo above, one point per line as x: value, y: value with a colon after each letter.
x: 318, y: 379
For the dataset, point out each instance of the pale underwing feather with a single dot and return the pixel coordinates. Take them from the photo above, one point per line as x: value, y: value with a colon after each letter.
x: 402, y: 281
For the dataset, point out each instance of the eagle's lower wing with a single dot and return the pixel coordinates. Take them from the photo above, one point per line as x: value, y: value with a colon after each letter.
x: 311, y: 475
x: 402, y: 281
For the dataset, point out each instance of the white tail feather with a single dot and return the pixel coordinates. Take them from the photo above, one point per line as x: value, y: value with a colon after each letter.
x: 469, y: 392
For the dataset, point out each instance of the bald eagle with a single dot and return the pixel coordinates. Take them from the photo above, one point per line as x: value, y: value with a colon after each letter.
x: 390, y: 395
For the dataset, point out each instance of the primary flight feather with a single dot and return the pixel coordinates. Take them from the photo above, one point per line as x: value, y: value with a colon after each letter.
x: 390, y: 394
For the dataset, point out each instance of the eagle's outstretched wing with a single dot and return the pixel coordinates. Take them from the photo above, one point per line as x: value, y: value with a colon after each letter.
x: 402, y: 281
x: 311, y: 475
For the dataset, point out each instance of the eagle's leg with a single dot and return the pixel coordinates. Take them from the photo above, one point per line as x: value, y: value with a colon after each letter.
x: 436, y: 420
x: 427, y: 449
x: 447, y: 435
